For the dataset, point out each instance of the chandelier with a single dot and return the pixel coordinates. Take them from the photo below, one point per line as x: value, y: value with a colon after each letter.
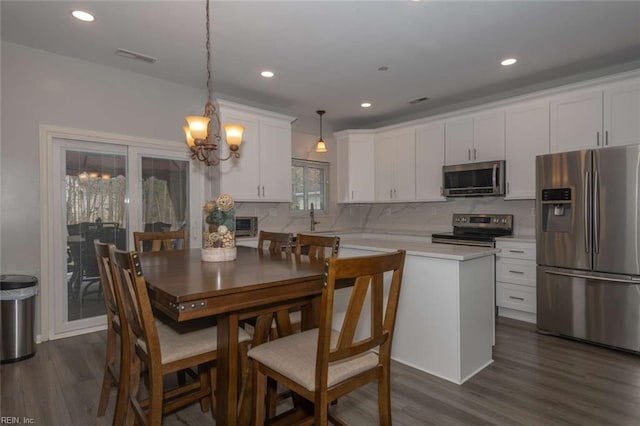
x: 203, y: 132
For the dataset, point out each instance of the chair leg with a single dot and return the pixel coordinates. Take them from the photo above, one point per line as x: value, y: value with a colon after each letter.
x: 384, y: 397
x: 272, y: 397
x: 107, y: 379
x: 258, y: 380
x: 156, y: 391
x: 321, y: 409
x: 212, y: 383
x: 203, y: 376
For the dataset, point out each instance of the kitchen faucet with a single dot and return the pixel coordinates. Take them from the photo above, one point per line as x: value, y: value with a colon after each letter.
x: 312, y: 218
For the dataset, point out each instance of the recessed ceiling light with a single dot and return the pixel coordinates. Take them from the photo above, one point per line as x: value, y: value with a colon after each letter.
x: 267, y: 74
x: 366, y: 105
x: 81, y: 15
x: 508, y: 61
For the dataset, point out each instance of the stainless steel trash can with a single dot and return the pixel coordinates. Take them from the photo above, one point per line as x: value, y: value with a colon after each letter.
x: 17, y: 311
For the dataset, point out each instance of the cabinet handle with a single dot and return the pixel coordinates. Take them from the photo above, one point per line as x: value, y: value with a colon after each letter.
x: 395, y: 194
x: 263, y: 190
x: 391, y: 193
x: 516, y: 251
x: 606, y: 138
x: 598, y: 138
x: 517, y: 298
x: 258, y: 190
x: 475, y: 151
x: 469, y: 153
x: 516, y: 272
x: 352, y: 194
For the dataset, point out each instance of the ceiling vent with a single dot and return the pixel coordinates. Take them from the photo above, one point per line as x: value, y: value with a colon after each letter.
x: 418, y: 100
x: 137, y: 56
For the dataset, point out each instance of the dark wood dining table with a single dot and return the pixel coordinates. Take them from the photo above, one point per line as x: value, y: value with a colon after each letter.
x: 184, y: 288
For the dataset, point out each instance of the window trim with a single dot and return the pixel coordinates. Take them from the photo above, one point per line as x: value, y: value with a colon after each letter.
x: 300, y: 162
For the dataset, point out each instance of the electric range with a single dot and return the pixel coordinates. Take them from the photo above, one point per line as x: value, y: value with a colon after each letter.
x: 476, y: 229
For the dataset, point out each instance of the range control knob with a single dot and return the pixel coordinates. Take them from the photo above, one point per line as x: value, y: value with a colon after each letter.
x: 504, y: 220
x: 495, y: 220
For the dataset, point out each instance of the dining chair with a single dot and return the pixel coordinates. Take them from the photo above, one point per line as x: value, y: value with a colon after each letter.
x: 278, y: 241
x: 111, y: 374
x: 317, y: 247
x: 321, y: 364
x: 161, y: 349
x: 157, y: 241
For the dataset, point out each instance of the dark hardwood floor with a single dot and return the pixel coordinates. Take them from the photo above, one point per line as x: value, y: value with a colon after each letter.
x: 535, y: 380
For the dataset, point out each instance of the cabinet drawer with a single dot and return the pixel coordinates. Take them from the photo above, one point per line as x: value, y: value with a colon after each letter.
x: 516, y: 271
x: 517, y: 250
x: 518, y: 297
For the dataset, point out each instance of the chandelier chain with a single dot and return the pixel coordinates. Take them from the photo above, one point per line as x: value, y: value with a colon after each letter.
x: 208, y: 46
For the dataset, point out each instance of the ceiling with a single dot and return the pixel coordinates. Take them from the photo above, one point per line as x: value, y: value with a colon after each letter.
x: 326, y: 54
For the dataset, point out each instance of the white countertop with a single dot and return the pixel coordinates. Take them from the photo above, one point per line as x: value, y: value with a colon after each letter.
x: 413, y: 248
x: 520, y: 238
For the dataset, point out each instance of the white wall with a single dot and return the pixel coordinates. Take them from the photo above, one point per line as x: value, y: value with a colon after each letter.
x: 44, y: 88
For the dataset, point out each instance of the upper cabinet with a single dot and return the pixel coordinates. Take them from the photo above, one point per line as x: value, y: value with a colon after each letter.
x: 475, y: 138
x: 429, y: 161
x: 356, y: 153
x: 395, y: 166
x: 527, y: 135
x: 263, y: 171
x: 594, y: 118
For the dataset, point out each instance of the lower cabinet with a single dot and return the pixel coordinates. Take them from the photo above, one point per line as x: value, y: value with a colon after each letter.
x: 516, y: 280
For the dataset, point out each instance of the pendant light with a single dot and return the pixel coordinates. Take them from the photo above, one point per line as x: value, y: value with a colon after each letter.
x: 320, y: 145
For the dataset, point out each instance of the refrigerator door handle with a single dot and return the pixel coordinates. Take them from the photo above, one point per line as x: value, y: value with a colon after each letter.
x: 494, y: 178
x: 586, y: 212
x: 596, y: 212
x: 590, y: 277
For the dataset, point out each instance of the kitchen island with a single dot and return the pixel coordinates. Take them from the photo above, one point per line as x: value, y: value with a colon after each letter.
x: 445, y: 323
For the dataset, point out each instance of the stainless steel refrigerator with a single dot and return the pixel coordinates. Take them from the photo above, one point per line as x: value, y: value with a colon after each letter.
x: 588, y: 245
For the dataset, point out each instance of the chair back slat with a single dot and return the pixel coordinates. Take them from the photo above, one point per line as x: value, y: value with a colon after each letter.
x: 317, y: 247
x: 278, y: 241
x: 161, y: 240
x: 366, y: 276
x: 135, y: 298
x: 106, y: 277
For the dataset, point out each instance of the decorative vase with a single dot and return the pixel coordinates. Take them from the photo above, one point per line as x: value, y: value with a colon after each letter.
x: 219, y: 230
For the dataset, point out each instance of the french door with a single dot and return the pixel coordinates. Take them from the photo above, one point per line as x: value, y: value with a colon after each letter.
x: 107, y: 191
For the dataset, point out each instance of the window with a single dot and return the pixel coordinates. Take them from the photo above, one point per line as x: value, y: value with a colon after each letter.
x: 309, y: 183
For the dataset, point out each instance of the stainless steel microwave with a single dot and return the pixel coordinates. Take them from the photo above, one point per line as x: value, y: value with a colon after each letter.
x: 246, y: 226
x: 474, y: 179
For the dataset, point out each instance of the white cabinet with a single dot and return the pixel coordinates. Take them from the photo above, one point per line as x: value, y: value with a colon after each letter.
x: 516, y: 279
x: 621, y: 121
x: 475, y: 138
x: 355, y: 166
x: 527, y: 135
x: 429, y: 161
x: 263, y: 171
x: 593, y: 118
x: 395, y: 165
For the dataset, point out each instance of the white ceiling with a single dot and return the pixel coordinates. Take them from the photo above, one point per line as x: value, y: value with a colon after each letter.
x: 326, y: 53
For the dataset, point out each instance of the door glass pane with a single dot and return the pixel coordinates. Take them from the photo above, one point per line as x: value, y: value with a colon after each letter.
x: 165, y: 194
x: 95, y: 193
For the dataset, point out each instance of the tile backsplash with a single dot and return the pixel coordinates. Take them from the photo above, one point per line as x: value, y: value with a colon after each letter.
x: 400, y: 217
